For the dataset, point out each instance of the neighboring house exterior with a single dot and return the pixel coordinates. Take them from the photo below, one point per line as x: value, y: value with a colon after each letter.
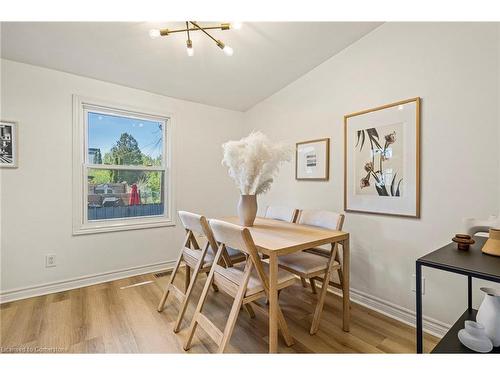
x: 115, y: 193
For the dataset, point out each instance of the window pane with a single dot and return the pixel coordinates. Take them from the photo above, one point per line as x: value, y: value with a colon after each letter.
x: 124, y: 140
x: 114, y: 194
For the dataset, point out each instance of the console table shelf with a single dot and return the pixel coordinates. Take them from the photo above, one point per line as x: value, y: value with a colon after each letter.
x: 450, y: 343
x: 473, y: 264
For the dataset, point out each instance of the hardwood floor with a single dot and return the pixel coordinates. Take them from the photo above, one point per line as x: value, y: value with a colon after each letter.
x: 121, y: 317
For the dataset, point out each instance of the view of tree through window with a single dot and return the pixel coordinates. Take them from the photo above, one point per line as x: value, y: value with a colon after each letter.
x: 136, y: 146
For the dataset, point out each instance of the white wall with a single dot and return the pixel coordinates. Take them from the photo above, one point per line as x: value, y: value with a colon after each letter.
x: 36, y: 200
x: 454, y: 68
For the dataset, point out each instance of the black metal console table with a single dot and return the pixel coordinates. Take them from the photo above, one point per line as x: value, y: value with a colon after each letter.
x: 471, y: 263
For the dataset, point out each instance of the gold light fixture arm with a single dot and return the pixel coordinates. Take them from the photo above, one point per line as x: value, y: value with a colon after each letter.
x: 223, y: 26
x: 218, y: 42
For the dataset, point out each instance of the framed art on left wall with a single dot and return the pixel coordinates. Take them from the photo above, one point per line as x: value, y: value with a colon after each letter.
x: 382, y: 160
x: 8, y: 144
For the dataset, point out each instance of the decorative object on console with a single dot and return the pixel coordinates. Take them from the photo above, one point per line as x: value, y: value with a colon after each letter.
x: 492, y: 245
x: 463, y: 241
x: 8, y: 144
x: 474, y: 337
x: 253, y: 163
x: 489, y: 314
x: 312, y: 161
x: 382, y: 160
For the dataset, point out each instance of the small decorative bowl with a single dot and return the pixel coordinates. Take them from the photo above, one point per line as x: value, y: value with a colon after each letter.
x: 463, y: 241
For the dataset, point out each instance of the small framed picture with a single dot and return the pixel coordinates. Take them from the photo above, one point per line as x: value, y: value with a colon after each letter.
x: 313, y: 160
x: 8, y: 144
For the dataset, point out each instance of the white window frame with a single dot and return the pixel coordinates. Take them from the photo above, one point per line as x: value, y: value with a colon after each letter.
x: 81, y: 224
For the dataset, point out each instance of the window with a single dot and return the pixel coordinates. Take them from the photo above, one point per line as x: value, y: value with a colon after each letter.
x: 122, y: 176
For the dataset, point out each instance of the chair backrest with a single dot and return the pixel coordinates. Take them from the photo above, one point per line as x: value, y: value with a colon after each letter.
x: 235, y: 236
x: 197, y: 224
x: 321, y: 218
x: 281, y: 213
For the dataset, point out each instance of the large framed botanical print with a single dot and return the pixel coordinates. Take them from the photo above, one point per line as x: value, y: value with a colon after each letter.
x: 382, y: 160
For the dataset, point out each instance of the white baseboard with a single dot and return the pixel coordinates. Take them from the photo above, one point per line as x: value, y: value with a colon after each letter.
x: 402, y: 314
x: 79, y: 282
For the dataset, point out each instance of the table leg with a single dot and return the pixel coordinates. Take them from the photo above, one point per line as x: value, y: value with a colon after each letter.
x: 345, y: 286
x: 469, y: 292
x: 273, y: 303
x: 418, y: 289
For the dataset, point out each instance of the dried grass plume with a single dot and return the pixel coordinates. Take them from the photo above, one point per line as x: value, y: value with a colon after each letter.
x: 254, y: 162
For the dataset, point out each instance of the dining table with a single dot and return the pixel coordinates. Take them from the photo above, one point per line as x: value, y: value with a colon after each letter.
x: 275, y: 238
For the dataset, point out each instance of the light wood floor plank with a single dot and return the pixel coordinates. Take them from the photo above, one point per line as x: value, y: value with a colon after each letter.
x: 108, y: 318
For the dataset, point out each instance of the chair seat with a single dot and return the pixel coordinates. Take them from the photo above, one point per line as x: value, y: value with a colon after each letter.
x: 235, y: 275
x: 303, y: 263
x: 236, y: 255
x: 192, y: 256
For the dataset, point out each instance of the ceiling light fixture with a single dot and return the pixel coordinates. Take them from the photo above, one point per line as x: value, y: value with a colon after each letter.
x: 228, y: 51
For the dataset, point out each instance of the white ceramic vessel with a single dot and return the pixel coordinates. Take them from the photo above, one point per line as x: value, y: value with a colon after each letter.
x: 489, y: 314
x: 474, y: 337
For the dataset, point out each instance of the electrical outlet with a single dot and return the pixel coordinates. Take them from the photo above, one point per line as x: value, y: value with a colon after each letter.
x: 414, y: 284
x: 50, y: 260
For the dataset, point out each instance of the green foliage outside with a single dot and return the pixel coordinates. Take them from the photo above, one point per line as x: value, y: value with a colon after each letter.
x: 126, y: 151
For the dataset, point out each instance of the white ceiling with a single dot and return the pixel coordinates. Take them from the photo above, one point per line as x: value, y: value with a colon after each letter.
x: 267, y: 56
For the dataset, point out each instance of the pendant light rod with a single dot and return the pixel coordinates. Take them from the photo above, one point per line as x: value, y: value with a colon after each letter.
x: 218, y: 42
x: 189, y: 43
x: 223, y: 26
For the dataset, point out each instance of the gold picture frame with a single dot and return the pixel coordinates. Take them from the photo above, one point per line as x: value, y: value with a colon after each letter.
x: 299, y: 175
x: 413, y: 203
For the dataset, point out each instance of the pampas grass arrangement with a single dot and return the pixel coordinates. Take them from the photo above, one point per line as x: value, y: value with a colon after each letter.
x: 254, y: 162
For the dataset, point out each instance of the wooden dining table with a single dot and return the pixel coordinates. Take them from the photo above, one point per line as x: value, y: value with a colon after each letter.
x: 275, y: 238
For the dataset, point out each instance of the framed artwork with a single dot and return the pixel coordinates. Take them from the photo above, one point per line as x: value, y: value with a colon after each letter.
x: 382, y: 160
x: 312, y: 160
x: 8, y: 144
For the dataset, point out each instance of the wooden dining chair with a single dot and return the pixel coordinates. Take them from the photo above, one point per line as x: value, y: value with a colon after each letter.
x: 316, y: 264
x: 199, y: 260
x: 245, y: 282
x: 282, y: 213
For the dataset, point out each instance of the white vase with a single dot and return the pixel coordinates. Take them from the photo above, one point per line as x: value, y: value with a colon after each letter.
x: 489, y: 314
x: 474, y: 337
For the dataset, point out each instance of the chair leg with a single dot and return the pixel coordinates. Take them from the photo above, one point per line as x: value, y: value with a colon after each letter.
x: 187, y: 279
x: 161, y: 306
x: 201, y: 302
x: 319, y: 307
x: 235, y: 309
x: 322, y: 295
x: 250, y: 310
x: 284, y: 329
x: 231, y: 321
x: 214, y: 286
x: 313, y: 286
x: 185, y: 301
x: 303, y: 281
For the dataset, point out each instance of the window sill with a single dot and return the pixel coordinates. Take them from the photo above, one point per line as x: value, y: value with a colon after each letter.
x: 103, y: 227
